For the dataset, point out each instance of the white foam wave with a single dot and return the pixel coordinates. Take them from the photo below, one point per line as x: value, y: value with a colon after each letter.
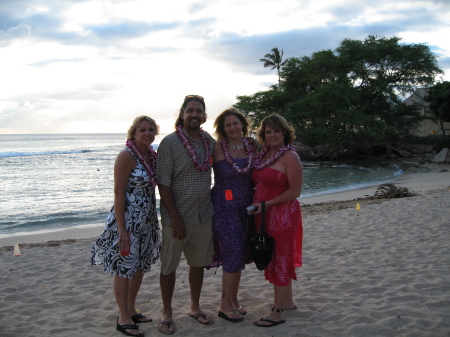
x: 27, y: 154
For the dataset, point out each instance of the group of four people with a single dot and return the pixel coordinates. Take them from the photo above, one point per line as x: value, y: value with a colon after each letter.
x: 209, y: 226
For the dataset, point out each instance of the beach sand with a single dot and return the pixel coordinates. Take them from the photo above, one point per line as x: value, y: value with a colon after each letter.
x: 383, y: 270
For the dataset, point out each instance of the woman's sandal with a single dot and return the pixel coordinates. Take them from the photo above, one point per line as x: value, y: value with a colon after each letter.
x: 138, y: 319
x: 228, y: 316
x: 241, y: 311
x: 123, y: 329
x: 203, y: 315
x: 271, y: 322
x: 170, y: 327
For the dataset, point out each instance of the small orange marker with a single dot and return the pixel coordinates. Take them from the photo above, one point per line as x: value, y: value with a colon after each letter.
x: 358, y: 206
x: 228, y: 195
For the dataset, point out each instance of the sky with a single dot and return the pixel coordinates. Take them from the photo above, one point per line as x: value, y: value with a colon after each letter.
x: 92, y: 66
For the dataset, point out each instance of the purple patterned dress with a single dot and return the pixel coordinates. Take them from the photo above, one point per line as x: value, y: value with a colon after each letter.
x: 232, y: 226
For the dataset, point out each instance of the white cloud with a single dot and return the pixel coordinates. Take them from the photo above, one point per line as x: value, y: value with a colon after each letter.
x: 92, y: 66
x: 21, y: 31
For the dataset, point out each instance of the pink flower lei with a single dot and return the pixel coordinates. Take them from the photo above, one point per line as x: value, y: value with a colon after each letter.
x: 260, y: 165
x: 187, y: 145
x: 149, y: 167
x: 249, y: 151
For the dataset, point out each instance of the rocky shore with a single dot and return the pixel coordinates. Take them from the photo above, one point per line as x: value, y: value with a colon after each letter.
x: 409, y: 156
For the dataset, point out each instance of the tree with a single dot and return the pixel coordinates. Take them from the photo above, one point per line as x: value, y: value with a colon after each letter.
x: 438, y: 98
x: 260, y: 105
x: 274, y: 60
x: 392, y: 66
x: 352, y: 94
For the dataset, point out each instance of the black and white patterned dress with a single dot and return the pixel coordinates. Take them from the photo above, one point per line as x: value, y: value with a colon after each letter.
x: 141, y: 221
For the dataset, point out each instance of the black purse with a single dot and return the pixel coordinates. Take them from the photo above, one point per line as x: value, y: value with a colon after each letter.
x: 262, y: 244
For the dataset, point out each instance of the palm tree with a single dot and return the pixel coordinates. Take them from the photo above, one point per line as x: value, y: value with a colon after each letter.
x: 274, y: 60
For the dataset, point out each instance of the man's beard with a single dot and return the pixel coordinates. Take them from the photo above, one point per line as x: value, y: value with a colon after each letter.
x: 187, y: 124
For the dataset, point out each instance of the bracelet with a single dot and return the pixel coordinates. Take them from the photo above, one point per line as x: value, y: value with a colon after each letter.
x: 277, y: 310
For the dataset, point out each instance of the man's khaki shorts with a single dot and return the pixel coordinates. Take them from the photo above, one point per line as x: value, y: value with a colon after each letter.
x: 197, y: 246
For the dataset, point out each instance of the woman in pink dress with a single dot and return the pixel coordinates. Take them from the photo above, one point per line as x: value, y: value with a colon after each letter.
x: 278, y: 177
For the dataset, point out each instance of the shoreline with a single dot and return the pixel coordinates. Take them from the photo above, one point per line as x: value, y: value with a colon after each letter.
x: 437, y: 179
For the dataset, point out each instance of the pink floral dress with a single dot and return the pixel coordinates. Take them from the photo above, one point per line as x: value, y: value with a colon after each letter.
x: 283, y: 223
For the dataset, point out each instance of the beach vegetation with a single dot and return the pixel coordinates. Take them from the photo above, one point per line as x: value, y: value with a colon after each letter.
x: 390, y: 191
x: 348, y: 96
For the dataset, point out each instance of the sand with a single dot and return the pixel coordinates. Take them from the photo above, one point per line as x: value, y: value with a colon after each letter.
x: 383, y: 270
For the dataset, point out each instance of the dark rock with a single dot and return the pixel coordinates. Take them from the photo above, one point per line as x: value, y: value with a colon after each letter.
x: 361, y: 153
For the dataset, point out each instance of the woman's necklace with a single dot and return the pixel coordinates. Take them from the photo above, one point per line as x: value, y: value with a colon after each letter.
x: 187, y: 145
x: 259, y: 165
x: 236, y: 147
x: 149, y: 167
x: 248, y: 150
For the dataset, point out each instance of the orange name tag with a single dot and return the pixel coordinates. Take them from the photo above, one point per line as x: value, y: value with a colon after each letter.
x: 228, y: 195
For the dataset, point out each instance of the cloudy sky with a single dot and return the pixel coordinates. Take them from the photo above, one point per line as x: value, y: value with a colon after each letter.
x: 70, y: 66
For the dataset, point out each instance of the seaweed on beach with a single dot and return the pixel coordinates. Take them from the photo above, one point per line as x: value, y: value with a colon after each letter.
x: 390, y: 191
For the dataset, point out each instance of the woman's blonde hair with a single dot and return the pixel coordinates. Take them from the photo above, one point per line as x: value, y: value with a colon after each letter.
x: 132, y: 130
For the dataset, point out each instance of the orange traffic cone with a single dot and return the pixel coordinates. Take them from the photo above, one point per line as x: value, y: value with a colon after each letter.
x: 358, y: 206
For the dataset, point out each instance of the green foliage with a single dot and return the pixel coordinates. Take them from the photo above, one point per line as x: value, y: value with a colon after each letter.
x: 260, y: 105
x: 350, y: 94
x: 389, y: 65
x: 438, y: 98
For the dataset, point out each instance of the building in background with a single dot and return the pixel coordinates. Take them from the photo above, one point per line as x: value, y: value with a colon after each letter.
x: 427, y: 127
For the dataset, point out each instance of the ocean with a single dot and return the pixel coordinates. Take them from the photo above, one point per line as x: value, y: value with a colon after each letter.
x: 57, y: 181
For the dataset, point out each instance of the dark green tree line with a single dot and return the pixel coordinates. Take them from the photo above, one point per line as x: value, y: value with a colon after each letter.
x: 348, y: 95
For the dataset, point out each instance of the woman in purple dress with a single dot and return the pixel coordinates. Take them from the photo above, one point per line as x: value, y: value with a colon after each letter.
x: 232, y: 192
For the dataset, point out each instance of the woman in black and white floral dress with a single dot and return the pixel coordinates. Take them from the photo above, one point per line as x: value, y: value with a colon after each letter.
x: 130, y: 242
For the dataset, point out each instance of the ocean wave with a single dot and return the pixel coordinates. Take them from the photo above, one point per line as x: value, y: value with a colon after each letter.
x: 51, y: 222
x: 28, y: 154
x: 51, y: 230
